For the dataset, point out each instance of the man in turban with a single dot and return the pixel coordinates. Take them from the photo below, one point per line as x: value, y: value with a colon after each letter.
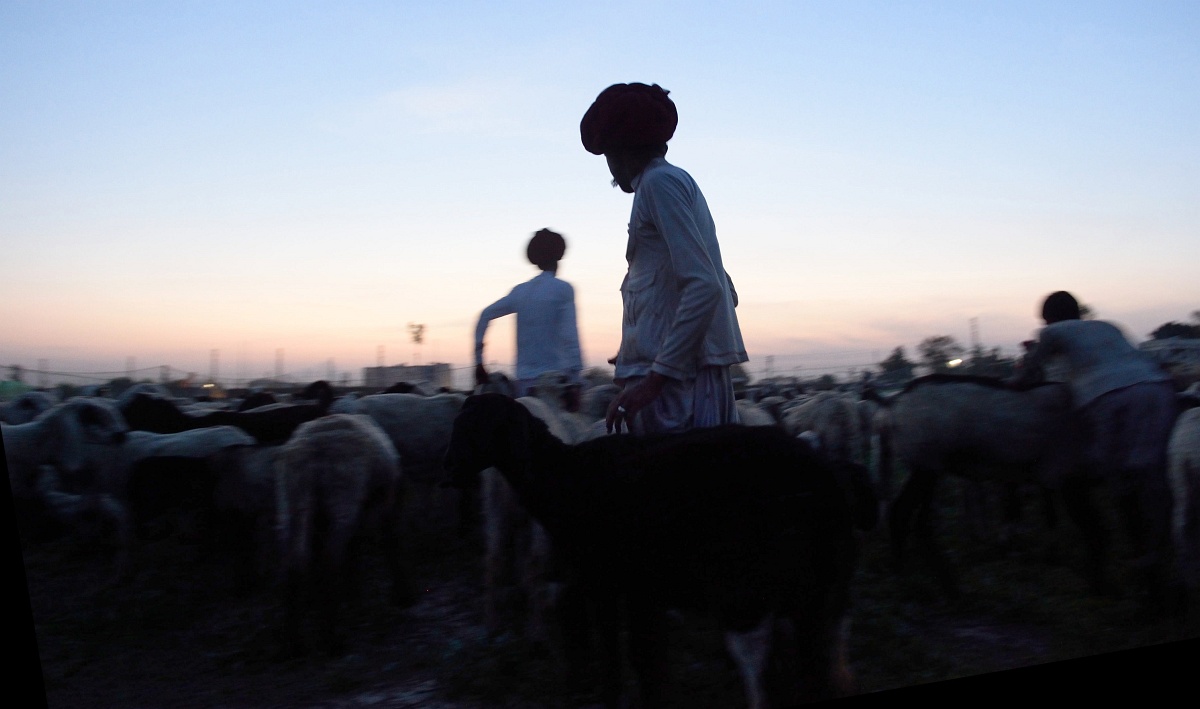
x: 547, y: 335
x: 680, y: 334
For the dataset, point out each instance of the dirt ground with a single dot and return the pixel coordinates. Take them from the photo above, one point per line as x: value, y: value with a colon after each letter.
x: 176, y: 636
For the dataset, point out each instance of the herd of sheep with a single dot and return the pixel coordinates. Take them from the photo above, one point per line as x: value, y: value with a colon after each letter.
x: 756, y: 526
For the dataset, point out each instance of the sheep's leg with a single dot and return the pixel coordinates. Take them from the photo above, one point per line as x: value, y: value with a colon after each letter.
x: 842, y: 677
x: 818, y: 637
x: 608, y: 626
x: 1186, y: 526
x: 917, y: 489
x: 329, y: 591
x: 233, y: 535
x: 1012, y: 512
x: 294, y: 600
x: 499, y: 504
x: 536, y: 583
x: 573, y: 611
x: 402, y: 593
x: 884, y: 466
x: 750, y: 650
x: 974, y: 506
x: 648, y: 649
x: 924, y: 485
x: 469, y: 511
x: 1081, y: 508
x: 1147, y: 509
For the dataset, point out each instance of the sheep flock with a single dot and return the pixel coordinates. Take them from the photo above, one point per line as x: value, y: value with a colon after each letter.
x: 319, y: 521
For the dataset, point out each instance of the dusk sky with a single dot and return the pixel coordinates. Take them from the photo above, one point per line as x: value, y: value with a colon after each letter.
x: 249, y: 177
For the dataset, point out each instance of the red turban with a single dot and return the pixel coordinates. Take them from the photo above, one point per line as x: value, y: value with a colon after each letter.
x: 628, y: 116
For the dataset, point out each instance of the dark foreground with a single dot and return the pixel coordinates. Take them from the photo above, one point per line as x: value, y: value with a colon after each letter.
x: 177, y: 637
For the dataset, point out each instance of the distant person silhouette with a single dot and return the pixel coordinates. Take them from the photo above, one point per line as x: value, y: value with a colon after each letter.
x: 680, y: 334
x: 547, y: 333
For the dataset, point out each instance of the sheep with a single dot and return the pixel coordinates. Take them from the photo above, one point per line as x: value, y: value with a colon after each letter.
x: 978, y: 428
x: 142, y: 478
x: 1183, y: 453
x: 335, y: 477
x: 773, y: 405
x: 405, y: 388
x: 744, y: 523
x: 419, y: 427
x: 753, y: 414
x: 256, y: 399
x: 57, y: 437
x: 55, y: 442
x: 835, y: 418
x: 594, y: 401
x: 155, y: 390
x: 272, y: 423
x: 27, y: 407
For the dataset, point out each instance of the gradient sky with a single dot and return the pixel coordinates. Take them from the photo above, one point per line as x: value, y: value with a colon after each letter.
x: 311, y: 177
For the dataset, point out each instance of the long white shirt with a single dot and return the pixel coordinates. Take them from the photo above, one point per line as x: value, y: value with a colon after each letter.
x: 547, y: 334
x: 678, y: 300
x: 1097, y: 357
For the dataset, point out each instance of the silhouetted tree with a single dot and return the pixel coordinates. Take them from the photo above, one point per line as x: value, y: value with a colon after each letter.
x: 1176, y: 329
x: 990, y: 363
x: 896, y: 368
x: 937, y: 351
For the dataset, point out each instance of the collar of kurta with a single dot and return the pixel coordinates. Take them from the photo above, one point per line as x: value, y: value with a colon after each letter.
x: 637, y: 180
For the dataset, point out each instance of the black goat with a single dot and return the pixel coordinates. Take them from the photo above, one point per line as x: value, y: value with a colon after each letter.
x: 273, y: 423
x: 744, y: 524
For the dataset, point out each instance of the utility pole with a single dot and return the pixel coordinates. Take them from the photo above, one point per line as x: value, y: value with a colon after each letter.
x: 418, y: 336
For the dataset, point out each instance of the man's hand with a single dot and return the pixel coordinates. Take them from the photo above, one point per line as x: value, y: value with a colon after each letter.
x: 632, y: 400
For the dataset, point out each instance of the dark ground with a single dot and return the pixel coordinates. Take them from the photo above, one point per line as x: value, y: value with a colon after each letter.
x: 176, y: 636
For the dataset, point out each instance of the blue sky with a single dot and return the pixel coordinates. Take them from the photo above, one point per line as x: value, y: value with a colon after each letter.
x: 181, y: 177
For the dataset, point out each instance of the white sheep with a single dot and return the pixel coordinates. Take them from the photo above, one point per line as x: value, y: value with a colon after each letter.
x: 58, y: 437
x: 835, y: 419
x: 56, y: 443
x: 1183, y: 454
x: 753, y: 414
x: 419, y: 427
x: 336, y: 477
x: 27, y: 407
x: 978, y: 428
x: 136, y: 479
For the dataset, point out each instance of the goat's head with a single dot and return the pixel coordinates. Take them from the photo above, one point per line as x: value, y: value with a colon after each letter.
x: 490, y: 430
